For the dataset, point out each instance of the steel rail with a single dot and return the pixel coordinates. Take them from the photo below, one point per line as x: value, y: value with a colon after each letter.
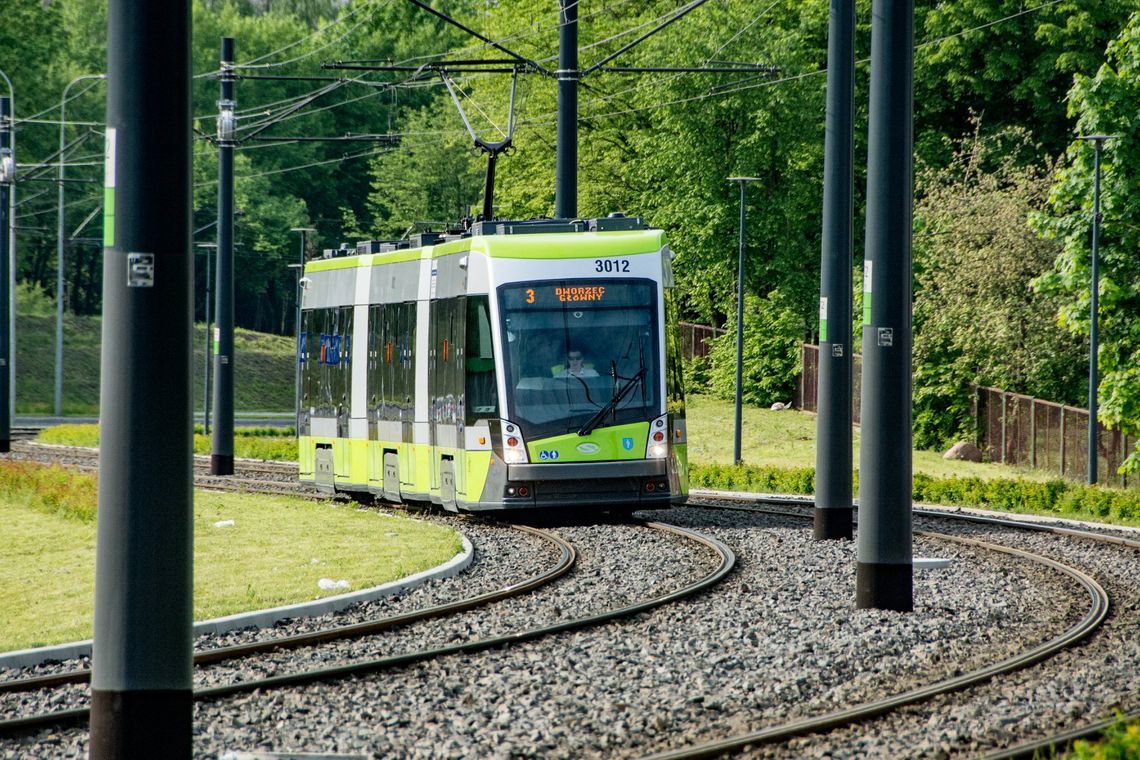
x: 945, y: 514
x: 568, y: 556
x: 727, y: 562
x: 1097, y: 612
x: 1053, y: 745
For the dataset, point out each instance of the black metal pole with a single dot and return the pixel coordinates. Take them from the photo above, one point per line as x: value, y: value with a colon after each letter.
x: 736, y: 455
x: 1094, y: 314
x: 222, y: 442
x: 7, y: 177
x: 566, y: 158
x: 207, y: 353
x: 833, y: 492
x: 297, y: 350
x: 885, y: 568
x: 141, y: 697
x: 737, y: 409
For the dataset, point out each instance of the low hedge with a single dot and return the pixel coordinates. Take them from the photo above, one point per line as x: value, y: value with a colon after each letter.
x: 1013, y: 495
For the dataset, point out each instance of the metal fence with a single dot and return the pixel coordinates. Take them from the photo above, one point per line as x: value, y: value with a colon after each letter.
x: 1021, y: 430
x: 695, y: 338
x: 806, y: 398
x: 1013, y: 429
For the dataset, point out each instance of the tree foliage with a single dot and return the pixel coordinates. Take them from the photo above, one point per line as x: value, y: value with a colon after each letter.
x: 658, y: 145
x: 1011, y: 63
x: 1103, y: 104
x: 977, y: 318
x: 771, y: 353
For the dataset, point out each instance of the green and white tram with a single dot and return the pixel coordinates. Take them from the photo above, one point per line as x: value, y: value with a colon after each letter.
x: 521, y: 364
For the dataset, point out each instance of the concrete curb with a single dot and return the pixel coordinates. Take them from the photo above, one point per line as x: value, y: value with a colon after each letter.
x: 23, y: 658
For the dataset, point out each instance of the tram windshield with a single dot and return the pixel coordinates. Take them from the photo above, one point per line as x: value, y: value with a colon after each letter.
x: 571, y: 347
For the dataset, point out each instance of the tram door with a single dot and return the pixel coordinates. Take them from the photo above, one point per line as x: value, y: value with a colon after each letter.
x: 445, y: 393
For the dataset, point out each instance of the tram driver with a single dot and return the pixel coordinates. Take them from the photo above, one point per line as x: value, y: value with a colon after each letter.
x: 576, y: 365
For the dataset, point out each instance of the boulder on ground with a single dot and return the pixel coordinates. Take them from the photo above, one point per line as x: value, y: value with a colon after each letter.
x: 964, y: 450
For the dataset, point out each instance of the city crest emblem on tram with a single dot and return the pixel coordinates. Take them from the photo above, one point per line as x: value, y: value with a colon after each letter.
x: 627, y: 444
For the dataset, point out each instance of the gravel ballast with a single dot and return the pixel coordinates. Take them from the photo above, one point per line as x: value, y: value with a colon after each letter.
x: 779, y: 639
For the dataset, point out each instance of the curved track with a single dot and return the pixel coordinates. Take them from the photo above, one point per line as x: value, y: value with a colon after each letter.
x: 1098, y: 610
x: 565, y: 562
x: 726, y: 560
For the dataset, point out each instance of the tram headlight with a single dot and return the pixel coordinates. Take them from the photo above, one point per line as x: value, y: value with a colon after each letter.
x: 658, y: 445
x: 514, y: 447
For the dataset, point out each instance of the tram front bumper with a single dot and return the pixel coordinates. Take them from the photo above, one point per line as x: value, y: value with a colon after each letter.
x: 638, y: 483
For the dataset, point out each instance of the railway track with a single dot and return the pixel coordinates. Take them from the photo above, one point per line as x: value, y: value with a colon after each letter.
x: 985, y: 694
x: 242, y: 683
x: 565, y: 562
x: 804, y: 737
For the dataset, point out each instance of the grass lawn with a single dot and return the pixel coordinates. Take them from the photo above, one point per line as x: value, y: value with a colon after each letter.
x: 263, y: 367
x: 275, y: 552
x: 787, y: 439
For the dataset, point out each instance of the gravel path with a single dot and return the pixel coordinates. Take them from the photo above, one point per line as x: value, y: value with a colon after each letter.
x: 779, y: 639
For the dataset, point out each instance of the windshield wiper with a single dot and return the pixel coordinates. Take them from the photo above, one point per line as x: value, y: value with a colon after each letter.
x: 613, y: 402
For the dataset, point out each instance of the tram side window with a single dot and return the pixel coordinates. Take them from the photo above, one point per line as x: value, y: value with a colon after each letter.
x: 345, y: 367
x: 397, y: 357
x: 482, y: 399
x: 307, y: 355
x: 375, y: 386
x: 334, y: 359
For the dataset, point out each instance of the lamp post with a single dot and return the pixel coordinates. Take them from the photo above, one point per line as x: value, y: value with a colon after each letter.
x: 208, y: 354
x: 1094, y: 307
x: 300, y: 267
x: 60, y: 233
x: 742, y: 181
x: 11, y: 317
x: 7, y: 178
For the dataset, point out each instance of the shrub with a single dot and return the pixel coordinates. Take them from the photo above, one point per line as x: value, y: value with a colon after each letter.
x: 1120, y: 741
x: 771, y: 356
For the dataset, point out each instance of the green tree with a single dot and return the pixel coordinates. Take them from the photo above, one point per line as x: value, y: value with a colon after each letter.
x: 431, y: 179
x: 1009, y: 62
x: 771, y: 353
x: 977, y: 318
x: 1103, y: 104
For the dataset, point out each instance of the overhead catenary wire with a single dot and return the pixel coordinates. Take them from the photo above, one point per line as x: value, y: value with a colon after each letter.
x: 255, y: 62
x: 35, y: 118
x: 283, y: 170
x: 548, y: 117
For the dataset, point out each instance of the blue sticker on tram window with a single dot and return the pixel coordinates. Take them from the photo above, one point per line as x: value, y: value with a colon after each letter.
x: 627, y: 444
x: 548, y: 455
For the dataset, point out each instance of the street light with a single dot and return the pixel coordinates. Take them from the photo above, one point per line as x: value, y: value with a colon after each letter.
x: 742, y: 181
x: 11, y: 400
x: 1094, y: 296
x: 208, y: 354
x: 59, y: 249
x: 300, y: 267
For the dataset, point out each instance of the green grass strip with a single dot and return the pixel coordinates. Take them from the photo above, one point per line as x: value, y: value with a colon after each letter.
x: 274, y: 552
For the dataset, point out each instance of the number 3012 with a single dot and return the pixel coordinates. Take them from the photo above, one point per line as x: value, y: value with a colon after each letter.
x: 611, y: 265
